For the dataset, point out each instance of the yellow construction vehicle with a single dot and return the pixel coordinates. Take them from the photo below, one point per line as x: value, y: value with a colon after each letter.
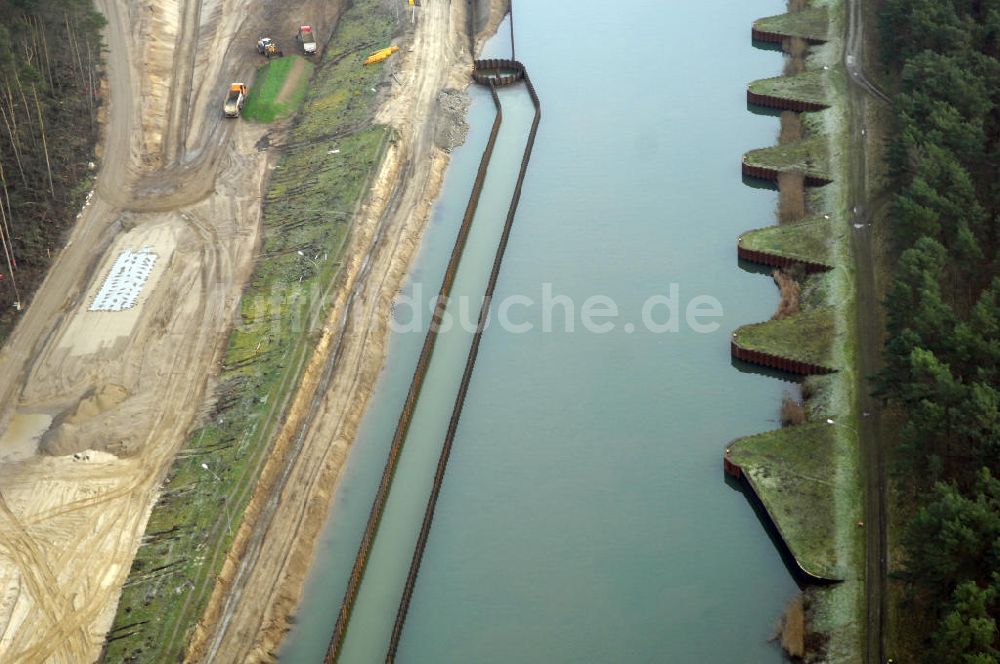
x: 269, y: 48
x: 380, y: 55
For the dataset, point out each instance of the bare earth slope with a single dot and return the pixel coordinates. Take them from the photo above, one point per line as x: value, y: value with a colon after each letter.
x: 93, y: 405
x: 265, y: 572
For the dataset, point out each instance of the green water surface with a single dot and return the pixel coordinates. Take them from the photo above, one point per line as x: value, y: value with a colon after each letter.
x: 584, y: 516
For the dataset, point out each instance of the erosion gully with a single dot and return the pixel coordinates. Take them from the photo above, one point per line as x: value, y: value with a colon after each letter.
x: 584, y: 515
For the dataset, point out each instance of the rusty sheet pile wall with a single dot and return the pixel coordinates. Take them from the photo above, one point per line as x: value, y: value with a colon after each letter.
x: 491, y: 73
x: 776, y: 361
x: 784, y: 103
x: 470, y: 364
x: 406, y: 415
x: 499, y: 72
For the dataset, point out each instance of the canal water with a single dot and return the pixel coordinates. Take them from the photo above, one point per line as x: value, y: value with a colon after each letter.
x: 584, y: 515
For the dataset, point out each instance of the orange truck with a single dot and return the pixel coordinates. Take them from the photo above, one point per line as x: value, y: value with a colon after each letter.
x: 235, y: 98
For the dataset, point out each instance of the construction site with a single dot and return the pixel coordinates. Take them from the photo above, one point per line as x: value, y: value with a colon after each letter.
x: 221, y: 440
x: 116, y: 360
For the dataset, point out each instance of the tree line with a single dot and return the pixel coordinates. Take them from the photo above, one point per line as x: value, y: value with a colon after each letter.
x: 50, y: 56
x: 942, y: 355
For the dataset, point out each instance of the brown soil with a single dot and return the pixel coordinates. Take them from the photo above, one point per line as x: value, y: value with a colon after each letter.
x: 797, y: 49
x: 792, y: 411
x: 122, y: 390
x: 264, y: 575
x: 790, y: 292
x: 791, y: 197
x: 793, y: 628
x: 791, y: 128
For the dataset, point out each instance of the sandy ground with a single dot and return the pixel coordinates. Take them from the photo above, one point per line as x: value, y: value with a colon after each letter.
x: 94, y: 405
x: 265, y: 571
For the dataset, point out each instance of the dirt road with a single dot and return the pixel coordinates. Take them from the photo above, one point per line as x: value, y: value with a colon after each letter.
x: 94, y: 404
x: 265, y: 572
x: 869, y: 333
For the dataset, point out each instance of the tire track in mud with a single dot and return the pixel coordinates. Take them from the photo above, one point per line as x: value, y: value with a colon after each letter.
x: 185, y: 61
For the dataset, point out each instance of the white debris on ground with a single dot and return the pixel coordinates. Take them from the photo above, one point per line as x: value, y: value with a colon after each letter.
x: 124, y: 282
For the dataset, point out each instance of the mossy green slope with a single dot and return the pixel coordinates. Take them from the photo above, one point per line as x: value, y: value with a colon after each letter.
x: 809, y: 156
x: 807, y: 241
x: 808, y: 86
x: 792, y: 472
x: 811, y: 23
x: 806, y: 336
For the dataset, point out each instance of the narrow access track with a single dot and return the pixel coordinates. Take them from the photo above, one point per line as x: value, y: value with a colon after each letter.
x: 869, y: 334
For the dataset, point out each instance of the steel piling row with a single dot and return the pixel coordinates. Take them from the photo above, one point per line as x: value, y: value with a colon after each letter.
x: 406, y: 415
x: 418, y: 552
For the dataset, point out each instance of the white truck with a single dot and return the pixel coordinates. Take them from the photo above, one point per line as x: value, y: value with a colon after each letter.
x: 307, y: 39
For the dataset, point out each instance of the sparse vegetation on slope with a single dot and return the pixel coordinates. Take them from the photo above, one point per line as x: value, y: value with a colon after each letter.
x: 792, y: 472
x: 809, y: 156
x: 809, y: 23
x: 809, y: 86
x: 804, y: 241
x: 314, y: 191
x: 805, y: 336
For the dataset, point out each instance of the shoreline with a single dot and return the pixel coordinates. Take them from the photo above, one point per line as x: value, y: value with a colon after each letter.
x: 274, y: 547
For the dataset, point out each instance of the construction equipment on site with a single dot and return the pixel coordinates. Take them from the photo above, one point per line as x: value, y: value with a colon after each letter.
x: 269, y: 48
x: 380, y: 55
x: 307, y: 39
x: 235, y: 98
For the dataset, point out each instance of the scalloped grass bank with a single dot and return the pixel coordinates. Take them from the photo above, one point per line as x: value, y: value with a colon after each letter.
x: 805, y: 242
x: 791, y: 471
x: 811, y: 24
x: 805, y: 337
x: 802, y: 92
x: 810, y: 156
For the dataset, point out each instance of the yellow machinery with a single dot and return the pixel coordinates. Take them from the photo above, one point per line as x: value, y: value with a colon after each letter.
x: 380, y: 55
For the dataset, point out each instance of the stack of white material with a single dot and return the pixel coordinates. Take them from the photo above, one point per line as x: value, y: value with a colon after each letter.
x: 124, y: 283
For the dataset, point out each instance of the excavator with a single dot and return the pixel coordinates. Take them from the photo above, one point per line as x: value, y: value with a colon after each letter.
x: 269, y: 48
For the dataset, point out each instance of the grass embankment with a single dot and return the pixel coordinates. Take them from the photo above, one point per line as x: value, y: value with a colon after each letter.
x: 278, y: 89
x: 809, y: 156
x: 805, y: 337
x: 835, y: 614
x: 809, y: 86
x: 807, y: 241
x: 790, y: 469
x: 313, y: 194
x: 811, y: 23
